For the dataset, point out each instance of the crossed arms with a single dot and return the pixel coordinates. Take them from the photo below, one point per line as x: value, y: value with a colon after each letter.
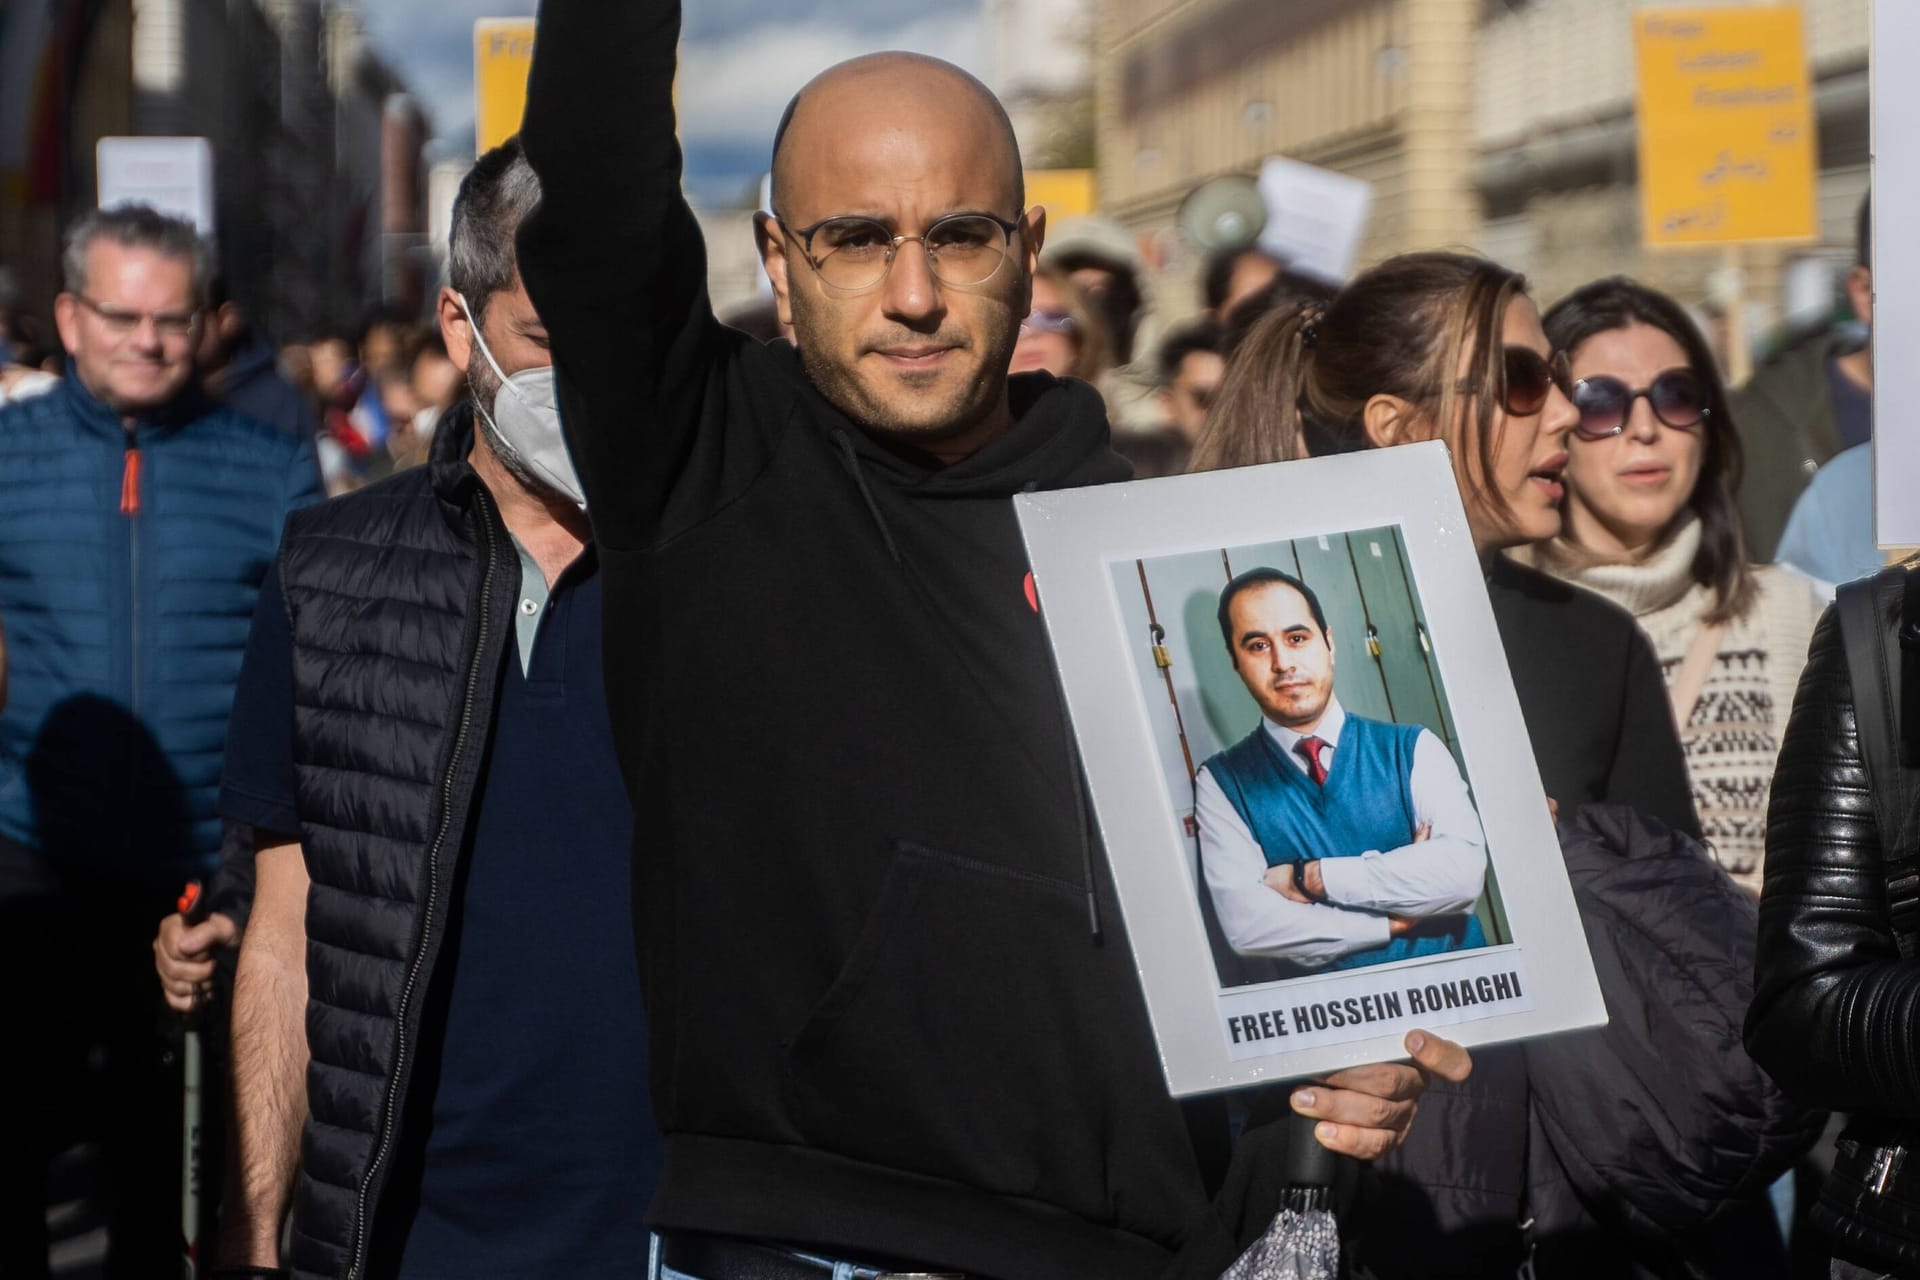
x: 1442, y: 874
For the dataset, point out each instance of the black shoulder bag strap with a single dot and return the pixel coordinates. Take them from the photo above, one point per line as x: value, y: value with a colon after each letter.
x: 1883, y: 665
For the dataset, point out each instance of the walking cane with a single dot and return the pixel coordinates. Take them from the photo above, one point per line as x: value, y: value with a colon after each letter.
x: 193, y: 909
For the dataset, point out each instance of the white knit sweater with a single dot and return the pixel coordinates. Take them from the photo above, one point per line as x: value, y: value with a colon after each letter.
x: 1733, y: 736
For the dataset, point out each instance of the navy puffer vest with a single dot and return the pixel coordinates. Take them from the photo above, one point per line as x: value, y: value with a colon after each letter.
x: 400, y: 602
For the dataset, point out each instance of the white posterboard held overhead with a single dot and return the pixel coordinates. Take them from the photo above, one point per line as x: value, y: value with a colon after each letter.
x: 1214, y: 633
x: 1315, y: 217
x: 174, y: 175
x: 1896, y: 271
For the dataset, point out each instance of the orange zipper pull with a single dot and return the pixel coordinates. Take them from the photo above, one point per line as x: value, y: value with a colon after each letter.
x: 130, y: 485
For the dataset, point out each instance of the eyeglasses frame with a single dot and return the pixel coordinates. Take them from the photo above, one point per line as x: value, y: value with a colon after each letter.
x: 804, y: 237
x: 1633, y: 398
x: 127, y: 323
x: 1559, y: 359
x: 1060, y: 324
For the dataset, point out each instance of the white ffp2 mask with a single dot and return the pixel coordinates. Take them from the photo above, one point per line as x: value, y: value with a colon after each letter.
x: 526, y: 422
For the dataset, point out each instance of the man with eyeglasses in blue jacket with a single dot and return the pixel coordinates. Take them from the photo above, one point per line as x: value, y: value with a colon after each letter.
x: 137, y: 518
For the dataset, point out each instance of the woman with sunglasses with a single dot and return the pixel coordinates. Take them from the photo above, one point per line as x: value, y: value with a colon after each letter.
x: 1063, y: 333
x: 1653, y: 467
x: 1448, y: 346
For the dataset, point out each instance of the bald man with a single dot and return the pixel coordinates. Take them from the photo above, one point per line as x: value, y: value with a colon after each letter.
x: 895, y: 1020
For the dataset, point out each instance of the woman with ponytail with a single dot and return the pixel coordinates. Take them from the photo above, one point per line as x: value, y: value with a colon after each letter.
x: 1448, y: 346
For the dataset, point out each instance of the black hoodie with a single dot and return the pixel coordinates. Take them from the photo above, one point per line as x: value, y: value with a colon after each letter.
x: 882, y: 1019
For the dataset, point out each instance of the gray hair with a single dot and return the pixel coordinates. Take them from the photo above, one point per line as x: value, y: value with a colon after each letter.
x: 496, y: 195
x: 136, y: 226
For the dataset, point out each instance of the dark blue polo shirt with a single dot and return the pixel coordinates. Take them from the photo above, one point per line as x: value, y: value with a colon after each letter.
x: 528, y: 1148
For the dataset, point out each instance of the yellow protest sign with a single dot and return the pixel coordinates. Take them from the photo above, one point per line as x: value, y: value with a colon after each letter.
x: 1066, y: 193
x: 502, y: 56
x: 1727, y: 146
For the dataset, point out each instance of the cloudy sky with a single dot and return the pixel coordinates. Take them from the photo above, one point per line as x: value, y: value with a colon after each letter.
x: 740, y: 62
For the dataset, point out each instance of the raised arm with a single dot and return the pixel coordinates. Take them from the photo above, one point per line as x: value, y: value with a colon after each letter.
x: 613, y: 258
x: 270, y: 1051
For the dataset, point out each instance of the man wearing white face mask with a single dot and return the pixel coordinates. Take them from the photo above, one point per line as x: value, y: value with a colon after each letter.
x: 438, y: 979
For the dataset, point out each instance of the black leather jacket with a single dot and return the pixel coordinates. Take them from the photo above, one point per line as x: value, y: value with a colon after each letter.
x: 1835, y: 1010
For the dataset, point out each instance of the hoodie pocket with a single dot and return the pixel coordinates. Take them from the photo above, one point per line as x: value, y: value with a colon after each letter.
x: 968, y: 1036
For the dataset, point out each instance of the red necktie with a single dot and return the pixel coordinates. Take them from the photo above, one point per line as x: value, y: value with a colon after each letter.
x: 1311, y: 749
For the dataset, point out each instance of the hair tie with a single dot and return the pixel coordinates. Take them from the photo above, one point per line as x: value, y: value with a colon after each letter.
x: 1311, y: 316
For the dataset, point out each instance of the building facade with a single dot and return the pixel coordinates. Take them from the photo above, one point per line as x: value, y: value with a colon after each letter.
x: 295, y: 103
x: 1505, y: 126
x: 1380, y: 89
x: 1556, y: 164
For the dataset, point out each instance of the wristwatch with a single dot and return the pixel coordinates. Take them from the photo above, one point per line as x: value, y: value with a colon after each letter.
x: 1300, y: 883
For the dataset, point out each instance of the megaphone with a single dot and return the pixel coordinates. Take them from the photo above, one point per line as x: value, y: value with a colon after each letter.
x: 1224, y: 213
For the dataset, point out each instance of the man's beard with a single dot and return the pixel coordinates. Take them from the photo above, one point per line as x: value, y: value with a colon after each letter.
x: 484, y: 389
x: 924, y: 421
x: 843, y: 389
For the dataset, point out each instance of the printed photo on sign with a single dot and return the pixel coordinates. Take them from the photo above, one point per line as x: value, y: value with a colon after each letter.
x: 1310, y: 756
x: 1309, y: 766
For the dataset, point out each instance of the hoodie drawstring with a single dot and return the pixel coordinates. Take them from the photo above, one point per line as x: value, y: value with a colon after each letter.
x: 866, y: 494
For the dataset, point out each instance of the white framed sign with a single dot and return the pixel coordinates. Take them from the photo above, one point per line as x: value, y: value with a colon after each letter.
x: 174, y: 175
x: 1309, y: 765
x: 1896, y: 272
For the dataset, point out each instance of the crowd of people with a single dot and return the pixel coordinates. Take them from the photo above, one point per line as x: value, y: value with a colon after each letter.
x: 546, y: 936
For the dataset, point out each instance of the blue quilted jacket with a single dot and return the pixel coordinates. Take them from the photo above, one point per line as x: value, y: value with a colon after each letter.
x: 129, y: 563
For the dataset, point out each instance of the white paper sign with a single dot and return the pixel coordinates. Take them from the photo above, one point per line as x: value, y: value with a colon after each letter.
x: 1315, y: 217
x: 1374, y: 1002
x: 1195, y: 618
x: 174, y: 175
x: 1896, y: 272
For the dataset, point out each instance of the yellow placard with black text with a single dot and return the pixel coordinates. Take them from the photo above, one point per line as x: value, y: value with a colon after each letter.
x: 1725, y: 115
x: 502, y: 57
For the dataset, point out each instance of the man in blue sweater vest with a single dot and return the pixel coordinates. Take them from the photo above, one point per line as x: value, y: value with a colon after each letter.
x: 1327, y: 840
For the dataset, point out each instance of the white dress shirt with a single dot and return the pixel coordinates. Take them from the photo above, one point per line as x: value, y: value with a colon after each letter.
x: 1441, y: 875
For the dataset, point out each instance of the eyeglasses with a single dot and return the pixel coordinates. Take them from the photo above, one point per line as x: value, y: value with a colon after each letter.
x: 121, y: 324
x: 1047, y: 322
x: 1527, y: 379
x: 852, y: 254
x: 1677, y: 397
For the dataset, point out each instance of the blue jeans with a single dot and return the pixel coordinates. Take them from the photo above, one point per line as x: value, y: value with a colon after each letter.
x: 841, y: 1271
x: 658, y: 1270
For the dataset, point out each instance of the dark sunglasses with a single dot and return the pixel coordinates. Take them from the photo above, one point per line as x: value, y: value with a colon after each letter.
x: 1528, y: 378
x: 1047, y: 322
x: 1677, y: 397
